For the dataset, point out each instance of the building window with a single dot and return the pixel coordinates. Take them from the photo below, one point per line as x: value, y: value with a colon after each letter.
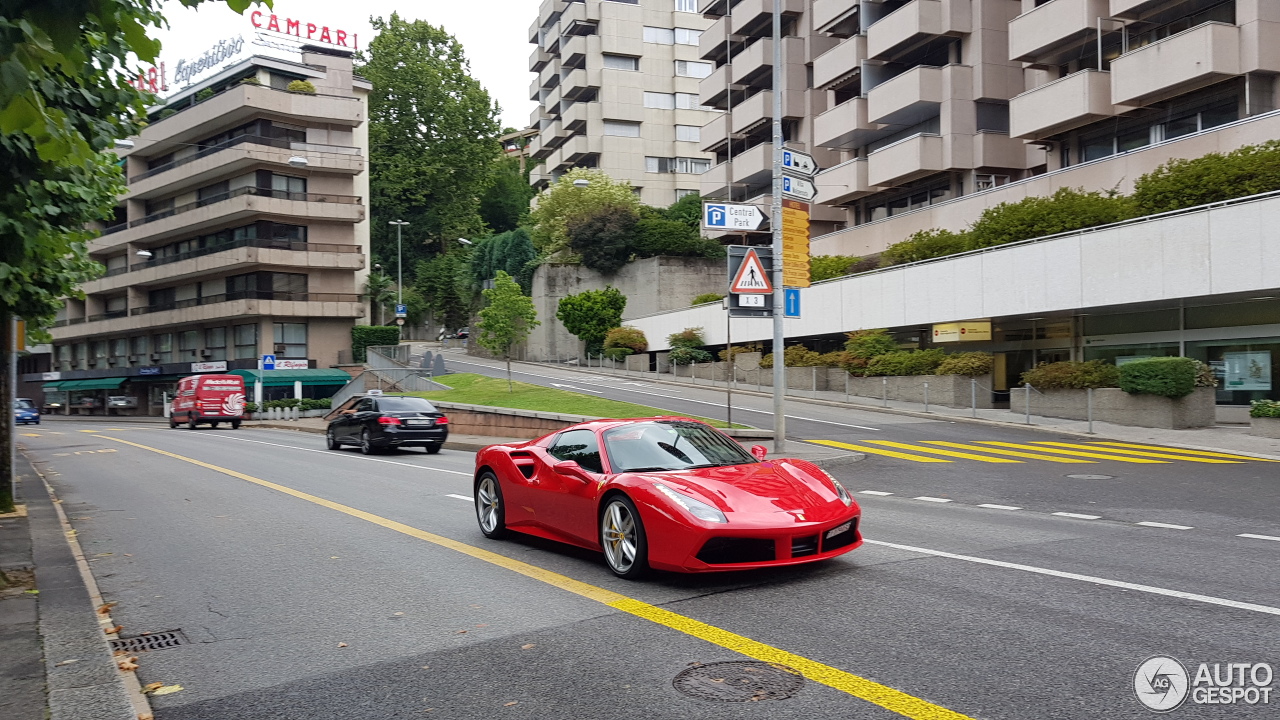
x: 138, y: 347
x: 693, y: 69
x: 188, y: 344
x: 621, y: 62
x: 64, y: 357
x: 684, y: 165
x: 213, y: 193
x: 246, y: 340
x: 689, y: 6
x: 162, y: 348
x: 661, y: 101
x: 119, y: 349
x: 662, y: 36
x: 81, y: 358
x: 912, y: 200
x: 290, y: 339
x: 688, y: 101
x: 685, y: 36
x: 688, y: 133
x: 622, y: 128
x: 986, y: 182
x: 215, y: 343
x: 682, y: 193
x: 287, y: 187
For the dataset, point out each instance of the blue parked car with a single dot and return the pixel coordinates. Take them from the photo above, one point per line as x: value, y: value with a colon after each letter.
x: 25, y: 411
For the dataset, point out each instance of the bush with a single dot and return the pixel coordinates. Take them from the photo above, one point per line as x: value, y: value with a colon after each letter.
x: 1171, y: 377
x: 1071, y: 374
x: 907, y: 362
x: 251, y: 80
x: 630, y: 338
x: 317, y: 403
x: 362, y: 336
x: 969, y: 364
x: 251, y: 407
x: 925, y: 244
x: 167, y: 112
x: 708, y: 298
x: 1264, y: 409
x: 866, y: 344
x: 604, y: 236
x: 591, y: 314
x: 684, y: 355
x: 736, y: 350
x: 795, y: 356
x: 301, y: 86
x: 1065, y: 210
x: 1182, y: 183
x: 1205, y: 376
x: 828, y: 267
x: 660, y: 236
x: 618, y: 354
x: 204, y: 94
x: 687, y: 338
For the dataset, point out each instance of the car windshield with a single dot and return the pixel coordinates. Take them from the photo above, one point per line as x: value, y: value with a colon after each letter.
x: 404, y: 404
x: 670, y: 445
x: 24, y: 404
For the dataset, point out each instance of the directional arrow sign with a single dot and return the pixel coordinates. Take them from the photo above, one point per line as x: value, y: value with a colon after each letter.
x: 798, y: 188
x: 799, y: 163
x: 732, y: 216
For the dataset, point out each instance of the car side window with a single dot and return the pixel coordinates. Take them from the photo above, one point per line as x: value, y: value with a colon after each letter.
x: 580, y: 446
x: 366, y: 405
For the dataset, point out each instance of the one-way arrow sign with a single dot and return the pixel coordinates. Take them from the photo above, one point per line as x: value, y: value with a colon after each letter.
x: 731, y: 216
x: 799, y: 163
x: 798, y: 188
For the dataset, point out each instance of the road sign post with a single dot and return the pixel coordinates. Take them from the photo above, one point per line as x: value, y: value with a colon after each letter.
x: 268, y: 362
x: 791, y: 302
x: 748, y: 266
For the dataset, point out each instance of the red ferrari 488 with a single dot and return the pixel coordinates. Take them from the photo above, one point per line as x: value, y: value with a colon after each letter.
x: 668, y: 493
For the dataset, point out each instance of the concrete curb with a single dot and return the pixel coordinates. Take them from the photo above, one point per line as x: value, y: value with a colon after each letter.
x: 83, y: 680
x: 463, y: 445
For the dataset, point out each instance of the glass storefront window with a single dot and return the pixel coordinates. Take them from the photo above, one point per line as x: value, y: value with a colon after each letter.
x: 1120, y: 354
x: 1247, y: 369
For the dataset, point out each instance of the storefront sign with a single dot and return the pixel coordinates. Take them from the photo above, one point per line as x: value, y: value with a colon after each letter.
x: 209, y: 367
x: 973, y: 331
x: 152, y: 80
x: 187, y: 70
x: 1247, y: 370
x: 297, y: 28
x: 292, y: 364
x: 151, y: 370
x: 46, y: 377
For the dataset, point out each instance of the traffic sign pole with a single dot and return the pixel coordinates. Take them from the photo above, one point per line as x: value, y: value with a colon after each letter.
x: 779, y: 365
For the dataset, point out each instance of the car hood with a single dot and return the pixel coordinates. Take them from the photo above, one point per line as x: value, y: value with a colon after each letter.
x: 784, y: 485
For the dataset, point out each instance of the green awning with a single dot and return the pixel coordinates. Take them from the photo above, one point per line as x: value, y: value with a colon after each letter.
x: 54, y: 386
x: 92, y: 384
x: 311, y: 376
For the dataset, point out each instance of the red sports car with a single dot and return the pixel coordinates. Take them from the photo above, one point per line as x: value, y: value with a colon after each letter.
x: 665, y: 492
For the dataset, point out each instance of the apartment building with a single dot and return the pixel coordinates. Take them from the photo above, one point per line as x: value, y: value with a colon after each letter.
x: 243, y: 232
x: 617, y: 89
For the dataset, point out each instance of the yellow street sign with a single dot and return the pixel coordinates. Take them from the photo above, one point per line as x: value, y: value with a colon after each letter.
x: 795, y: 243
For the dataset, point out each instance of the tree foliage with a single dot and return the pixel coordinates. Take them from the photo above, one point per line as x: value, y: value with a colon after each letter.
x: 829, y: 267
x: 661, y: 236
x: 504, y: 206
x: 432, y: 138
x: 510, y: 251
x: 591, y: 314
x: 603, y: 236
x: 563, y: 200
x: 1182, y: 183
x: 506, y: 319
x: 380, y: 291
x: 686, y: 210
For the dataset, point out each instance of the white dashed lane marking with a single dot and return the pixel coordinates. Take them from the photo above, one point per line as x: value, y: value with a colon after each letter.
x: 999, y: 507
x: 1167, y: 526
x: 874, y: 492
x: 1077, y: 516
x: 1251, y: 536
x: 468, y: 498
x: 926, y: 498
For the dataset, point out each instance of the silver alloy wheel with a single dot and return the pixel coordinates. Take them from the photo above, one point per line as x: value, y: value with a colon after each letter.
x: 618, y: 532
x: 366, y: 445
x: 488, y: 504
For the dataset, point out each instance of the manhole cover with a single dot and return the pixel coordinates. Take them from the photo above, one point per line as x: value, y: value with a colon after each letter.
x: 739, y: 681
x: 1092, y: 477
x: 150, y: 641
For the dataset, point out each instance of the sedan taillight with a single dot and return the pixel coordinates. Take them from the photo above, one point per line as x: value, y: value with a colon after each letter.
x: 388, y: 420
x: 442, y: 420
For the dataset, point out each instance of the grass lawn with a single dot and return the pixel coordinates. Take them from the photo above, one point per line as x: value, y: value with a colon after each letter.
x: 475, y: 389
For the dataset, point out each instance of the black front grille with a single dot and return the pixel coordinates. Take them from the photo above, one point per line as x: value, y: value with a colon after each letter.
x: 848, y: 537
x: 806, y: 545
x: 731, y: 550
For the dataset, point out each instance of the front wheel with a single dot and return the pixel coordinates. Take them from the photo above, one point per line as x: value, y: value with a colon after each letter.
x: 173, y: 422
x: 235, y: 424
x: 490, y: 511
x: 366, y: 443
x: 626, y: 549
x: 213, y: 425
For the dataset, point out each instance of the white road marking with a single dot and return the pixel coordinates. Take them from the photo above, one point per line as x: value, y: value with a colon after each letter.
x: 333, y: 453
x: 1087, y: 578
x: 999, y: 507
x: 1164, y: 525
x: 874, y: 492
x: 1077, y: 516
x: 468, y: 498
x: 926, y: 498
x: 1258, y: 537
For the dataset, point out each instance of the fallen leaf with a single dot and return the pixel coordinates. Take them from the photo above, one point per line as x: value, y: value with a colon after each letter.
x: 460, y: 632
x: 513, y: 702
x: 103, y: 554
x: 342, y: 644
x: 104, y: 608
x: 529, y: 646
x: 127, y: 555
x: 167, y: 690
x: 149, y: 687
x: 127, y: 664
x: 66, y: 662
x: 113, y: 630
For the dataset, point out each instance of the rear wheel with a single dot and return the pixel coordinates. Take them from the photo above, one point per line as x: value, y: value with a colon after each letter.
x: 366, y: 443
x: 191, y: 421
x: 235, y: 424
x: 213, y: 425
x: 433, y: 449
x: 173, y: 422
x: 626, y: 550
x: 490, y: 511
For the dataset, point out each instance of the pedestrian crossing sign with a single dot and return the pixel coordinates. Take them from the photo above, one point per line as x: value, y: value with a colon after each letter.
x: 751, y: 277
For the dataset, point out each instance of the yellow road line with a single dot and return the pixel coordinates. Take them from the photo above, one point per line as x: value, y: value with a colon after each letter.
x: 1181, y: 451
x: 879, y: 451
x: 1164, y: 456
x: 1014, y: 453
x: 886, y: 697
x: 948, y: 453
x: 1099, y: 456
x: 30, y: 434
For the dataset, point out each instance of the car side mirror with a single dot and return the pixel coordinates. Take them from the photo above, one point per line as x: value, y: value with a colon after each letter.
x: 571, y: 468
x: 759, y: 451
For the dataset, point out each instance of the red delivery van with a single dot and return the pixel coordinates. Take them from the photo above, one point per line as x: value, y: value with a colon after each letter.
x: 208, y: 399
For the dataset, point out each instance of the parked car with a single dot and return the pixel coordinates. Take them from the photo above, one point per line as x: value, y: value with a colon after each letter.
x: 668, y: 493
x: 25, y: 411
x: 208, y: 399
x: 383, y: 422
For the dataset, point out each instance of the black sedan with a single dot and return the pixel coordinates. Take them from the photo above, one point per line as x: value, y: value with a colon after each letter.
x: 381, y: 422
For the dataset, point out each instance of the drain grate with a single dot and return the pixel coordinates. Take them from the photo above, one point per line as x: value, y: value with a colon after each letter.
x: 150, y: 641
x: 739, y: 681
x: 1092, y: 477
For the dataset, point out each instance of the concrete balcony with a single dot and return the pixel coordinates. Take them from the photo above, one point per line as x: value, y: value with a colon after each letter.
x: 711, y: 44
x: 549, y: 77
x: 826, y: 13
x: 755, y: 17
x: 538, y: 148
x: 242, y: 103
x: 1176, y: 65
x: 1070, y: 102
x: 996, y: 150
x: 712, y: 89
x: 573, y: 52
x: 218, y: 307
x: 844, y: 182
x: 840, y: 62
x: 753, y: 67
x: 1053, y: 25
x: 909, y: 98
x: 238, y: 155
x: 582, y: 80
x: 548, y: 11
x: 714, y: 183
x: 1129, y: 9
x: 578, y: 115
x: 715, y: 133
x: 579, y: 147
x: 579, y: 18
x: 914, y: 23
x: 845, y: 125
x: 906, y: 160
x: 758, y: 109
x: 535, y: 88
x: 232, y: 257
x: 538, y: 59
x: 753, y: 166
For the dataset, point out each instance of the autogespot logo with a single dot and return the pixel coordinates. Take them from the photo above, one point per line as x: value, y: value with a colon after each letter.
x: 1163, y: 684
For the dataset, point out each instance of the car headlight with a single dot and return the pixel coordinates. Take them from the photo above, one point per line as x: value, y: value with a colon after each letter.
x: 696, y: 507
x: 844, y: 494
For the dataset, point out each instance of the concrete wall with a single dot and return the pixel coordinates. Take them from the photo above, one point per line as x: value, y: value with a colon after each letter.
x: 1114, y: 405
x: 504, y: 422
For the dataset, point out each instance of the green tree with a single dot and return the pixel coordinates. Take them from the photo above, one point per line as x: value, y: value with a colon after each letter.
x: 563, y: 200
x: 659, y: 236
x: 432, y: 138
x: 687, y: 210
x: 64, y: 100
x: 509, y: 251
x: 506, y: 319
x: 591, y: 314
x: 504, y: 205
x: 828, y: 267
x: 437, y: 282
x: 1033, y: 217
x: 604, y: 236
x: 380, y: 291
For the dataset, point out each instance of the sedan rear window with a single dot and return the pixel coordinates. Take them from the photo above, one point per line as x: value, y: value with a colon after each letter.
x: 404, y: 404
x: 670, y: 445
x: 24, y: 404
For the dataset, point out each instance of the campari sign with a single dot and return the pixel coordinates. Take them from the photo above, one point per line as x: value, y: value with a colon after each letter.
x: 303, y: 30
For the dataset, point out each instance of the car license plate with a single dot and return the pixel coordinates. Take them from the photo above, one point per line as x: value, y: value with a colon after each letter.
x: 417, y: 422
x: 836, y: 531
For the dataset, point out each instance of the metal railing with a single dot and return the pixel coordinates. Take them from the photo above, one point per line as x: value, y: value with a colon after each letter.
x: 299, y: 245
x: 283, y: 143
x: 261, y: 192
x: 248, y: 295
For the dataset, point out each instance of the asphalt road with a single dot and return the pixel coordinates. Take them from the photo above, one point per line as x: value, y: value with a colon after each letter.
x: 316, y: 584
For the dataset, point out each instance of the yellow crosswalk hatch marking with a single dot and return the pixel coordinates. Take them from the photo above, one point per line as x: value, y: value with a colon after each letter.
x: 879, y: 451
x: 948, y: 453
x: 1013, y: 453
x: 1181, y: 451
x: 1100, y: 456
x: 1165, y: 456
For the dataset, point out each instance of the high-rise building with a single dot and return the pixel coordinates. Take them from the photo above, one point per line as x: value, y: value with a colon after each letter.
x: 617, y: 89
x: 243, y: 232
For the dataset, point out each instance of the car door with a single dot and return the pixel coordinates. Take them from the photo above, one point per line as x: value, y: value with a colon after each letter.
x: 355, y: 422
x: 567, y: 503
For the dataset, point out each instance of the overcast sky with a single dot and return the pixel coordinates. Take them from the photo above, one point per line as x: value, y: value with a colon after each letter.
x: 492, y: 33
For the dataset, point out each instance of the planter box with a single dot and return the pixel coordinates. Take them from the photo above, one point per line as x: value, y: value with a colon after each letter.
x: 1114, y: 405
x: 1265, y: 427
x: 955, y: 391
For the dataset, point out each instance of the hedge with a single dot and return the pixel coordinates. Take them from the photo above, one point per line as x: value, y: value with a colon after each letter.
x: 1183, y: 183
x: 1264, y: 409
x: 907, y: 362
x: 969, y: 364
x: 687, y: 338
x: 684, y: 355
x: 301, y: 86
x: 363, y: 336
x: 1072, y: 374
x: 1171, y: 377
x: 630, y: 338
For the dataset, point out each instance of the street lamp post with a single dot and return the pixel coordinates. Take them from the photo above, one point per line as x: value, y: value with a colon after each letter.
x: 378, y: 301
x: 399, y: 261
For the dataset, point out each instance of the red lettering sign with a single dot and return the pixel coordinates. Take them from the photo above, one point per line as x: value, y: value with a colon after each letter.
x: 293, y: 27
x: 311, y: 30
x: 324, y: 35
x: 274, y: 24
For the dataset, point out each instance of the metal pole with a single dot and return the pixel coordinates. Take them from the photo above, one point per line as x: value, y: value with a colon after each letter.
x: 884, y: 391
x: 779, y: 363
x: 926, y: 396
x: 728, y: 349
x: 399, y: 265
x: 813, y: 383
x: 846, y: 386
x: 1026, y: 389
x: 1089, y: 403
x: 973, y: 396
